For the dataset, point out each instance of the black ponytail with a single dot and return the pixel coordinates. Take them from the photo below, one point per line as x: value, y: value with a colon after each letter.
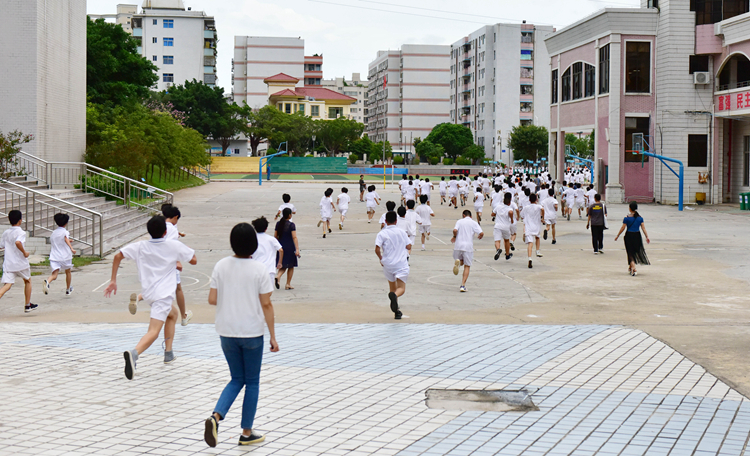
x: 634, y: 207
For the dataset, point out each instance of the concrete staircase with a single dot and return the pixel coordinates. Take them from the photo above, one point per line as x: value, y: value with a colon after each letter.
x: 121, y: 225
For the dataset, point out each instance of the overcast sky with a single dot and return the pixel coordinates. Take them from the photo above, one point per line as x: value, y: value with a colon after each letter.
x: 350, y: 32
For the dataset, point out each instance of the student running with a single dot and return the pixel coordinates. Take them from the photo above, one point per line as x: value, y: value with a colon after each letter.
x: 61, y: 254
x: 392, y: 247
x: 372, y: 199
x: 16, y: 260
x: 342, y: 201
x: 463, y: 245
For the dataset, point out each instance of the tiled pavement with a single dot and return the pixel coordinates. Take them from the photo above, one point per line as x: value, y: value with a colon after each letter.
x: 359, y: 390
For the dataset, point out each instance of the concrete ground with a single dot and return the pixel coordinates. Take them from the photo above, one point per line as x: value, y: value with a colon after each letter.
x: 694, y: 296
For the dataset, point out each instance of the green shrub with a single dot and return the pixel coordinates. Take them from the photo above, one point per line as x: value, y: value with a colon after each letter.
x: 309, y: 155
x: 398, y: 160
x: 434, y: 161
x: 353, y: 158
x: 447, y: 161
x: 461, y: 161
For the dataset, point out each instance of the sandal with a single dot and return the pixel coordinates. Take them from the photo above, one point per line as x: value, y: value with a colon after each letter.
x: 287, y: 287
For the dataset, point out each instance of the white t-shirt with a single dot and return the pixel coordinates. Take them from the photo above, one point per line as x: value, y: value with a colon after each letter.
x: 173, y: 234
x: 343, y: 201
x: 453, y: 185
x: 425, y: 213
x: 370, y: 199
x: 443, y: 186
x: 14, y: 260
x: 326, y: 210
x: 425, y: 187
x: 532, y: 218
x: 549, y: 208
x: 266, y: 253
x: 412, y: 218
x: 580, y: 195
x: 239, y: 282
x: 410, y: 191
x: 287, y: 205
x: 156, y: 260
x: 466, y: 228
x: 590, y: 194
x: 502, y: 216
x: 392, y: 242
x: 478, y: 199
x: 59, y: 251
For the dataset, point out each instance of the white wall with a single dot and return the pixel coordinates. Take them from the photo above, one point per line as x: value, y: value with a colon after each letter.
x: 260, y: 57
x: 187, y: 49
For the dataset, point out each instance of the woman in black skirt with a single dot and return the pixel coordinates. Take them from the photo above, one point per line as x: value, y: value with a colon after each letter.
x: 286, y: 233
x: 633, y: 241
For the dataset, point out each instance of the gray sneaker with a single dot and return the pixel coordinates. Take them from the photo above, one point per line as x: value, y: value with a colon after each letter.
x: 69, y: 291
x: 168, y: 357
x: 130, y: 358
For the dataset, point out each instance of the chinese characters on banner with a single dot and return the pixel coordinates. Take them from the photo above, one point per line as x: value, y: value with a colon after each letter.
x: 741, y: 101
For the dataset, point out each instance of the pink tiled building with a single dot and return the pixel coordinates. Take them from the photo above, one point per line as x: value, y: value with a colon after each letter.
x: 675, y: 71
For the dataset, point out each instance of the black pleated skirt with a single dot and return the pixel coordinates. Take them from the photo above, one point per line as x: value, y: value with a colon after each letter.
x: 634, y: 247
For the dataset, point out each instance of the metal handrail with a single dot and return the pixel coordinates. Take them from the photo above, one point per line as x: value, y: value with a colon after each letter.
x: 115, y: 185
x: 40, y: 214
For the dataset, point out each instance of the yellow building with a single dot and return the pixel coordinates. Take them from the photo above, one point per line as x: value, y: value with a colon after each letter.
x: 314, y: 102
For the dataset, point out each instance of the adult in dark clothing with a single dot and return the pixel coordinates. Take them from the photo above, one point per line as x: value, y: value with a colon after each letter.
x: 286, y: 233
x: 597, y: 213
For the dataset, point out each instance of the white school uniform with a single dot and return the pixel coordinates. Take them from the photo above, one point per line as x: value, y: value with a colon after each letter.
x: 532, y: 221
x: 393, y: 242
x: 15, y: 265
x: 426, y: 189
x: 412, y: 220
x: 463, y: 187
x: 239, y: 282
x: 580, y: 198
x: 410, y: 192
x: 513, y: 226
x: 478, y: 201
x: 155, y: 260
x: 502, y: 222
x: 550, y: 211
x: 463, y: 248
x: 173, y: 234
x: 453, y: 188
x: 326, y: 210
x: 370, y: 198
x: 425, y: 213
x: 268, y: 247
x: 443, y: 187
x: 60, y: 256
x: 590, y: 195
x: 287, y: 205
x: 569, y: 195
x: 343, y: 203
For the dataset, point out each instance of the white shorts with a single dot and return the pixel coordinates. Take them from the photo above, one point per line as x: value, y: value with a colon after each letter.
x: 273, y: 276
x: 502, y: 234
x: 411, y: 238
x: 478, y: 209
x: 10, y: 277
x: 513, y: 229
x: 569, y: 203
x: 464, y: 255
x: 324, y: 218
x: 530, y: 238
x: 370, y: 208
x: 179, y: 280
x: 442, y: 193
x: 579, y: 205
x: 343, y: 211
x: 429, y: 196
x: 400, y: 274
x: 451, y: 194
x: 60, y: 266
x: 550, y: 220
x: 424, y: 228
x: 160, y: 309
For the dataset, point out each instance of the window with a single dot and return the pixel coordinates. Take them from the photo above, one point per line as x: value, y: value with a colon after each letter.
x: 577, y: 81
x: 713, y: 11
x: 698, y: 63
x: 315, y: 111
x: 527, y: 90
x: 589, y: 88
x: 698, y: 150
x: 168, y: 41
x: 638, y: 67
x: 168, y: 23
x: 526, y: 107
x: 526, y: 54
x: 168, y: 77
x: 156, y: 21
x: 604, y: 70
x: 526, y: 37
x: 653, y: 3
x: 154, y: 58
x: 288, y: 108
x: 301, y: 108
x: 635, y: 125
x: 566, y: 85
x: 168, y: 59
x: 154, y: 40
x: 334, y: 113
x: 746, y: 163
x: 280, y: 106
x: 554, y: 86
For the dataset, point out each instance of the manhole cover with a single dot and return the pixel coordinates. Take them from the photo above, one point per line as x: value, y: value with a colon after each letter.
x: 481, y: 400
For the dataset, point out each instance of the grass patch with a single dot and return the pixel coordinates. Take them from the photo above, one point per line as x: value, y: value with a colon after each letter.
x: 172, y: 185
x: 36, y: 274
x: 78, y: 261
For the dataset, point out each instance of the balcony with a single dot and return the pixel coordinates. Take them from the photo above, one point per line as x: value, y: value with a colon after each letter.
x: 210, y: 52
x: 137, y: 32
x: 209, y: 34
x: 209, y: 69
x: 209, y: 61
x: 209, y: 78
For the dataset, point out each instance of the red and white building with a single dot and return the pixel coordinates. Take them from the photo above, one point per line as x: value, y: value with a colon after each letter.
x: 676, y: 71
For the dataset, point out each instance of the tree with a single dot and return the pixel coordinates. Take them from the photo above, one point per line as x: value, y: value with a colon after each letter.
x: 377, y: 151
x: 429, y: 150
x: 10, y: 146
x: 453, y: 137
x: 583, y: 147
x: 260, y: 125
x: 362, y: 146
x: 207, y: 111
x: 474, y: 153
x: 528, y: 141
x: 338, y: 134
x: 115, y: 72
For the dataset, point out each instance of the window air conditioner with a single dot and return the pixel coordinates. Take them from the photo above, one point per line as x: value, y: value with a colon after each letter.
x: 702, y: 77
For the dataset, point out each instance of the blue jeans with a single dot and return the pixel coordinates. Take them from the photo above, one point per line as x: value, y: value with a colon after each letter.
x: 244, y: 356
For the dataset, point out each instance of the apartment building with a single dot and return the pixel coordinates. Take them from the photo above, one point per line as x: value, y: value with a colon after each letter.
x: 408, y: 93
x: 43, y: 76
x: 494, y: 85
x: 123, y: 17
x: 675, y: 72
x: 179, y: 41
x: 356, y: 88
x: 259, y: 57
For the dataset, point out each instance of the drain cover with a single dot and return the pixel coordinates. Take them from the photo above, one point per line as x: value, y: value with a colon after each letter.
x: 481, y: 400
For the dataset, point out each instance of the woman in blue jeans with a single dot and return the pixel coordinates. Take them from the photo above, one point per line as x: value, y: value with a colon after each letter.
x: 241, y: 291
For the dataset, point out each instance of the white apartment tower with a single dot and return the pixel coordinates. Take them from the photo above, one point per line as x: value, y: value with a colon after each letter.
x: 409, y: 93
x: 355, y: 88
x: 181, y: 42
x: 494, y: 86
x: 43, y: 76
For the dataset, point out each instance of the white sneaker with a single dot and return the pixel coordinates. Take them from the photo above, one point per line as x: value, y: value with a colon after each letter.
x: 69, y: 291
x: 133, y: 306
x: 188, y: 317
x: 539, y: 254
x: 45, y: 287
